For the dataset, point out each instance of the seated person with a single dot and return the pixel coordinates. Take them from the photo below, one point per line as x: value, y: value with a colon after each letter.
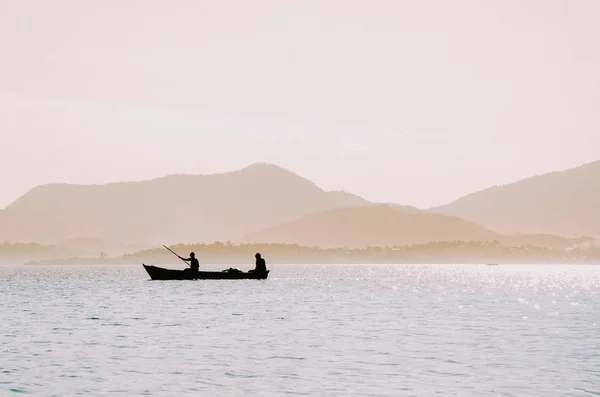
x: 261, y: 266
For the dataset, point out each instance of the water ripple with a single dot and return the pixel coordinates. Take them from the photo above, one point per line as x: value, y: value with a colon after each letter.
x: 351, y: 330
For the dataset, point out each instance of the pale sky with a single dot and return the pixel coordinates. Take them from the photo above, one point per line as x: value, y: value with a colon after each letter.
x: 414, y: 102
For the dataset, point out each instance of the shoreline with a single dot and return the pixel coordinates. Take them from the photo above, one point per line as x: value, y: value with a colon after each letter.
x: 219, y: 254
x: 83, y: 262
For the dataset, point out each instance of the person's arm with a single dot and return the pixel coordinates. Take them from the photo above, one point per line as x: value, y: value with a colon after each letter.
x: 185, y: 259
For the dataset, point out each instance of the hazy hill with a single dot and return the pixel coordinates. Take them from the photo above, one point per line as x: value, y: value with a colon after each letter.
x: 562, y: 203
x: 372, y: 225
x: 177, y: 208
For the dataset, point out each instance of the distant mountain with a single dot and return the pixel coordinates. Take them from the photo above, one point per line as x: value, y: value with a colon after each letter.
x: 565, y: 203
x: 348, y: 199
x: 266, y: 203
x: 172, y: 209
x: 372, y: 225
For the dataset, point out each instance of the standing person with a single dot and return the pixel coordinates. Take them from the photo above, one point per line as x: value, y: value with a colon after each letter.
x: 194, y: 264
x: 261, y: 265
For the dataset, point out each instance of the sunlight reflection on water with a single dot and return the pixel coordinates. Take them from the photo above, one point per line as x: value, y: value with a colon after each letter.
x: 378, y: 330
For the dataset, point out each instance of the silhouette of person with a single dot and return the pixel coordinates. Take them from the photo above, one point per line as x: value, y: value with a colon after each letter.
x: 261, y: 265
x: 194, y: 264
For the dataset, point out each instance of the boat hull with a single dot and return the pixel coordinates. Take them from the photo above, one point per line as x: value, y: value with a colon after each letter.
x: 159, y: 273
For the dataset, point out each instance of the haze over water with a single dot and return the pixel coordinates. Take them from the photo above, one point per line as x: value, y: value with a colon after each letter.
x: 401, y: 330
x: 298, y: 123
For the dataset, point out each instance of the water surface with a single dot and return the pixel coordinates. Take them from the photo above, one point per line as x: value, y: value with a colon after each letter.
x: 331, y: 330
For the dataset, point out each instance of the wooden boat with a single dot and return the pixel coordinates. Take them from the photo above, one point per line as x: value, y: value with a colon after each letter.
x: 159, y: 273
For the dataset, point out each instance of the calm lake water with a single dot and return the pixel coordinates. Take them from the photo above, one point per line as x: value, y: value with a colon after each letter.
x: 353, y: 330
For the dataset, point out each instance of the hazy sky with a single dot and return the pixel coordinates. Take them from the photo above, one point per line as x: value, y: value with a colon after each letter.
x: 415, y: 102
